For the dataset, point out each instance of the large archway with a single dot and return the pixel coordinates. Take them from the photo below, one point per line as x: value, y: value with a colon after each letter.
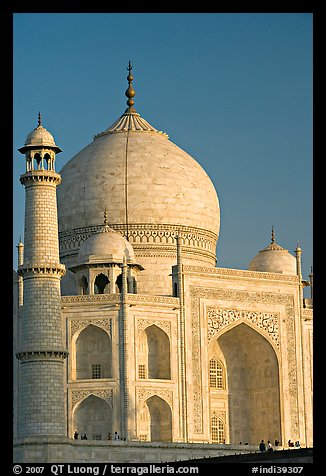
x: 253, y: 385
x: 93, y: 417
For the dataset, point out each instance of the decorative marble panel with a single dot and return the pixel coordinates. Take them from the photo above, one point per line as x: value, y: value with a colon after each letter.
x: 79, y: 395
x: 144, y: 394
x: 287, y: 300
x: 105, y: 324
x: 162, y: 324
x: 218, y: 319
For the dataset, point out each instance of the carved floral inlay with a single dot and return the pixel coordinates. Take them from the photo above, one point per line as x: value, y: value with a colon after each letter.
x: 146, y: 233
x: 144, y: 394
x: 79, y: 395
x: 105, y: 324
x: 217, y: 319
x: 162, y: 324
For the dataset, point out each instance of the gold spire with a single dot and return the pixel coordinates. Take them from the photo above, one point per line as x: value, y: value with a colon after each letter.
x: 130, y: 92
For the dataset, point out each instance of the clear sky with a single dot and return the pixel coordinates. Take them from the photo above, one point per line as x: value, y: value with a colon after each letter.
x: 234, y: 90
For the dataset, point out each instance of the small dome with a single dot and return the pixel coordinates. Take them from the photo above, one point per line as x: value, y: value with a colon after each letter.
x: 274, y: 259
x: 39, y: 137
x: 106, y: 246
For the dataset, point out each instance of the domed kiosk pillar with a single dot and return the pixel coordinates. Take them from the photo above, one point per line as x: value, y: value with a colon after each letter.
x: 42, y: 353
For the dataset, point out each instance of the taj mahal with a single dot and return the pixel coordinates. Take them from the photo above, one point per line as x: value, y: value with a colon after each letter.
x: 123, y: 323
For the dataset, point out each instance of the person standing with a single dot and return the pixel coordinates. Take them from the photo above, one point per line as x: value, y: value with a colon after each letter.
x: 262, y: 446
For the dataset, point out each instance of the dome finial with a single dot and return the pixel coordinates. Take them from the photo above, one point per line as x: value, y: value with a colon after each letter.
x: 273, y: 235
x: 105, y: 228
x: 105, y: 217
x: 130, y: 92
x: 39, y: 120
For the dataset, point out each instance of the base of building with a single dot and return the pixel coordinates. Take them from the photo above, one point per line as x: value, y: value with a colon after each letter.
x: 65, y: 450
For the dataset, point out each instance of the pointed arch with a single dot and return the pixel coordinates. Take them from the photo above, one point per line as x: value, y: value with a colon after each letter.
x: 253, y: 326
x: 37, y: 161
x: 101, y: 283
x: 93, y: 416
x: 47, y: 161
x: 217, y: 430
x: 252, y: 382
x: 93, y: 350
x: 154, y: 360
x: 160, y: 419
x: 216, y: 374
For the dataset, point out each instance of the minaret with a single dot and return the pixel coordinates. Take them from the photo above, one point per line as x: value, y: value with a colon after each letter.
x: 298, y: 253
x: 311, y: 279
x: 41, y: 353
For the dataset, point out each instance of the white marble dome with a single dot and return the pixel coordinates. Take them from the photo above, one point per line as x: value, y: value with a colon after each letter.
x: 40, y: 137
x: 106, y: 246
x: 139, y: 176
x: 153, y: 191
x: 274, y: 259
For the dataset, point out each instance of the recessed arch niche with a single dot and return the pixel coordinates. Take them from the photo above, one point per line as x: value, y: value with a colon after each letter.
x: 93, y: 417
x: 154, y: 353
x: 253, y: 385
x: 93, y: 350
x: 155, y: 420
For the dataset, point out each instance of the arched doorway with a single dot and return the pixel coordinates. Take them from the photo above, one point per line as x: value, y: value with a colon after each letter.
x: 93, y: 354
x: 253, y: 385
x: 160, y: 419
x: 101, y: 284
x: 154, y: 354
x: 93, y: 417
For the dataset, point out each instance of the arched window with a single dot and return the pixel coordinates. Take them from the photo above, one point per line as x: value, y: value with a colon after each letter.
x: 175, y: 289
x: 37, y: 161
x: 118, y: 284
x: 100, y: 283
x: 217, y: 430
x: 216, y: 374
x: 131, y: 284
x: 83, y: 285
x: 46, y: 162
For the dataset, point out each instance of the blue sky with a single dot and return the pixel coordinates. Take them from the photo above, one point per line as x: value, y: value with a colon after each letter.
x: 234, y: 90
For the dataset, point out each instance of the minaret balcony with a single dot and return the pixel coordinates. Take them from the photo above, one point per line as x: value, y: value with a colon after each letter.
x: 30, y: 270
